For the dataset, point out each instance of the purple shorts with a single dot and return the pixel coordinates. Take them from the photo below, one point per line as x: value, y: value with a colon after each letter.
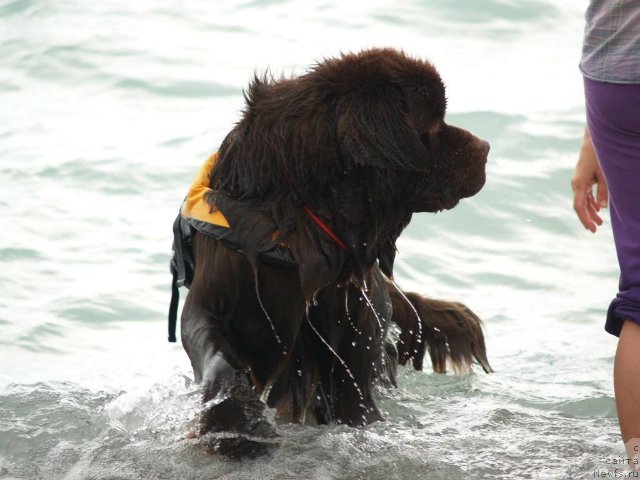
x: 613, y: 116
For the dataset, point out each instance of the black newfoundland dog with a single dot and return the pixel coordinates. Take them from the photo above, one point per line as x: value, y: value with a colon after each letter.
x: 291, y: 284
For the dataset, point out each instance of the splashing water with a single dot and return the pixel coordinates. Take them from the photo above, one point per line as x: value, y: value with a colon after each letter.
x: 415, y: 351
x: 335, y: 354
x: 375, y: 314
x: 347, y: 313
x: 264, y: 310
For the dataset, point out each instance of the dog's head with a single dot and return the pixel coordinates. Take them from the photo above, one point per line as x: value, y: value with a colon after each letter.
x: 390, y: 112
x: 375, y: 114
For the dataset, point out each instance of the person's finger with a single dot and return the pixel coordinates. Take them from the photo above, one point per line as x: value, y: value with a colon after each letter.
x: 591, y: 201
x: 580, y: 205
x: 602, y: 190
x: 592, y: 209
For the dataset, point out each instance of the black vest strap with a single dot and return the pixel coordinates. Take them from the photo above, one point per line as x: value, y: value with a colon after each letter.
x: 173, y: 308
x: 180, y: 262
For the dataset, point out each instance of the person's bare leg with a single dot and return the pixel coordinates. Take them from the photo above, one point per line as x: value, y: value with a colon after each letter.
x: 626, y: 381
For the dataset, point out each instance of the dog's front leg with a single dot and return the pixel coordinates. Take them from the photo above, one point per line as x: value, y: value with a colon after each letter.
x: 233, y: 416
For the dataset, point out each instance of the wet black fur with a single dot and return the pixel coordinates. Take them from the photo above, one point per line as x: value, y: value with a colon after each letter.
x: 361, y: 141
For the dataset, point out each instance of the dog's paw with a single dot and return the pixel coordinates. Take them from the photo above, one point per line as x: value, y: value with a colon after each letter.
x: 260, y: 439
x: 233, y: 424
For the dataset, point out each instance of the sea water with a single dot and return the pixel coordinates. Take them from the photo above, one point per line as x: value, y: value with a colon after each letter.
x: 107, y: 110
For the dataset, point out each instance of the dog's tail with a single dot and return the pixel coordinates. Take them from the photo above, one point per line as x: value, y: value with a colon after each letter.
x: 448, y: 330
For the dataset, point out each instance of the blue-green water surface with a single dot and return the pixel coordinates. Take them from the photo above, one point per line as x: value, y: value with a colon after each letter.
x: 108, y: 108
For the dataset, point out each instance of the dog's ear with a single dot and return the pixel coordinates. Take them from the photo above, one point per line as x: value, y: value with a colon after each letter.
x: 374, y: 129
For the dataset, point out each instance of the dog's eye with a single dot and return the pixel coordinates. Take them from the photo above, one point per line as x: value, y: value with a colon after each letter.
x: 434, y: 138
x: 431, y: 138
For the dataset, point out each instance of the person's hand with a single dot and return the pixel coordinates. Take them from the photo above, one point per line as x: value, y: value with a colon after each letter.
x: 587, y: 174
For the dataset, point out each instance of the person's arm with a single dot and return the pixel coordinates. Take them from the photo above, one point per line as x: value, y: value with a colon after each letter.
x: 587, y: 174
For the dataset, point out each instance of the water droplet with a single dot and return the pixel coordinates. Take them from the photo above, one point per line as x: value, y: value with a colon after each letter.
x: 314, y: 299
x: 353, y: 344
x: 264, y: 310
x: 412, y: 308
x: 342, y: 362
x: 299, y: 373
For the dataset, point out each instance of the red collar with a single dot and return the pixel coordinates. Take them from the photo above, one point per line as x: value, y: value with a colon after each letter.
x: 323, y: 226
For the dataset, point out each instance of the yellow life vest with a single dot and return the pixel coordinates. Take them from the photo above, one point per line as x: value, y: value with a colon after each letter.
x: 195, y: 206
